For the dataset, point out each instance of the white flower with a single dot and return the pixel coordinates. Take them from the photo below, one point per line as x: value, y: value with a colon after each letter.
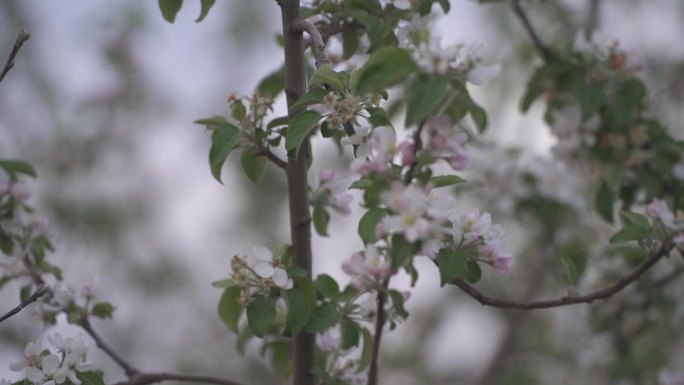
x: 367, y: 268
x: 31, y: 357
x: 473, y: 225
x: 50, y: 373
x: 658, y: 209
x: 332, y: 191
x: 265, y: 266
x: 480, y: 74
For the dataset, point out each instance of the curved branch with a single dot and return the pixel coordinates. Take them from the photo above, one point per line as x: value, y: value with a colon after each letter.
x: 541, y: 47
x: 151, y: 378
x: 265, y: 151
x: 318, y: 44
x: 128, y: 368
x: 21, y: 38
x: 602, y: 293
x: 42, y: 290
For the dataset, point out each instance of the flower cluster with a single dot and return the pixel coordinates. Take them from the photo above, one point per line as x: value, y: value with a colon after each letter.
x: 415, y: 212
x: 341, y: 108
x: 475, y: 230
x: 258, y: 273
x: 68, y: 298
x: 459, y: 59
x: 445, y: 142
x: 331, y: 191
x: 341, y: 365
x: 368, y: 268
x: 43, y: 367
x: 376, y: 155
x: 659, y: 210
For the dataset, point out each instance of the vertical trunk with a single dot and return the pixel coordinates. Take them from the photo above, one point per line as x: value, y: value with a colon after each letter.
x: 300, y: 217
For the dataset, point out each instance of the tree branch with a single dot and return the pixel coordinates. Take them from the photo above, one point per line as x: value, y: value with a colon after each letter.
x: 265, y: 151
x: 541, y: 47
x: 297, y: 180
x: 380, y: 318
x: 42, y: 290
x: 318, y: 44
x: 128, y: 368
x: 21, y: 38
x: 602, y: 293
x: 151, y: 378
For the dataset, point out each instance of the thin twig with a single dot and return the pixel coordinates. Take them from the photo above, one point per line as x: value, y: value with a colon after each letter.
x: 265, y: 151
x: 543, y: 49
x: 602, y: 293
x: 128, y: 368
x: 151, y: 378
x: 21, y: 38
x: 417, y: 146
x: 42, y: 290
x: 380, y: 318
x: 318, y: 44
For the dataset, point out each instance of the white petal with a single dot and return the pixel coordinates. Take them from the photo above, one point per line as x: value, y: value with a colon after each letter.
x: 264, y: 270
x: 280, y: 277
x: 480, y: 75
x: 262, y: 253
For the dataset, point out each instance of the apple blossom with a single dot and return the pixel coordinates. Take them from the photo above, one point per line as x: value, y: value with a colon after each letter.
x: 367, y: 268
x: 332, y: 191
x: 658, y: 209
x: 50, y: 372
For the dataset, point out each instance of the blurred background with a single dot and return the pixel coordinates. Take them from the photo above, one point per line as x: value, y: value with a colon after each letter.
x: 102, y: 100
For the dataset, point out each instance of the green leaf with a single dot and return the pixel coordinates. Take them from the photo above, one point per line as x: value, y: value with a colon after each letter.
x: 402, y: 250
x: 326, y: 75
x: 103, y: 310
x: 367, y: 353
x: 322, y: 318
x: 229, y: 309
x: 254, y: 166
x: 278, y: 122
x: 307, y: 287
x: 473, y: 272
x: 570, y: 270
x: 630, y: 233
x: 636, y: 219
x: 169, y: 9
x: 425, y: 6
x: 212, y: 121
x: 273, y: 84
x: 238, y: 111
x: 350, y: 334
x: 452, y: 265
x: 479, y: 116
x: 314, y: 96
x: 91, y: 377
x: 300, y: 128
x: 299, y: 310
x: 604, y: 202
x: 350, y: 44
x: 426, y: 95
x: 385, y: 68
x: 223, y: 283
x: 378, y: 117
x: 17, y: 167
x: 281, y: 358
x: 260, y: 314
x: 589, y: 97
x: 321, y: 218
x: 446, y: 180
x: 224, y: 139
x: 398, y: 303
x: 206, y: 6
x: 368, y: 222
x: 328, y: 287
